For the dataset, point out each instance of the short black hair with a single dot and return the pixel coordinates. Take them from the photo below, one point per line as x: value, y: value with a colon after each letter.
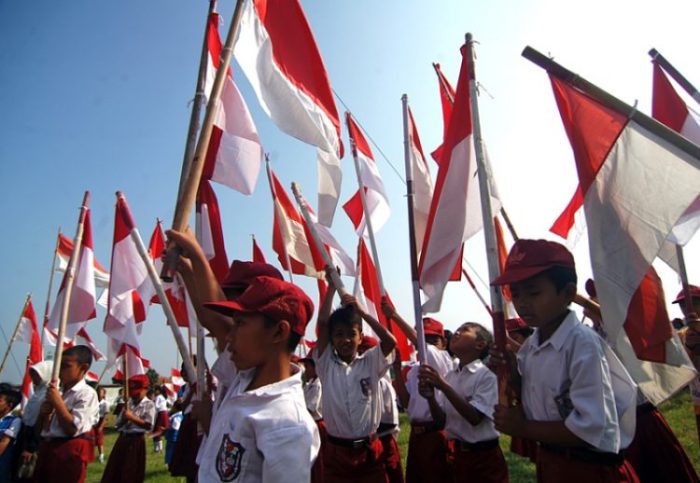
x: 294, y: 338
x: 81, y: 352
x: 482, y: 333
x: 561, y: 276
x: 11, y: 395
x: 345, y: 315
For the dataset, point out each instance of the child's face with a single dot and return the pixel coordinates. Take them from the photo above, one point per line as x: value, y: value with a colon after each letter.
x: 466, y: 340
x: 538, y: 302
x: 4, y: 406
x: 101, y: 394
x: 71, y: 370
x: 249, y: 340
x: 696, y: 307
x: 346, y: 339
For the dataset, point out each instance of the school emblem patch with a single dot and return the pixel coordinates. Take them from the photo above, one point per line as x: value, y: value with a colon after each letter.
x: 228, y: 459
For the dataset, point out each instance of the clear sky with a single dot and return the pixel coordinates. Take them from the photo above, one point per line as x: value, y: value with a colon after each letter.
x: 95, y: 95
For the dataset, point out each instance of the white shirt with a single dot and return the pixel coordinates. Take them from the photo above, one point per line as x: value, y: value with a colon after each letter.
x: 265, y: 434
x: 568, y: 378
x: 30, y: 414
x: 418, y: 409
x: 351, y: 404
x: 312, y: 396
x: 144, y: 410
x: 390, y: 410
x: 160, y: 403
x: 102, y: 409
x: 479, y: 386
x: 81, y: 401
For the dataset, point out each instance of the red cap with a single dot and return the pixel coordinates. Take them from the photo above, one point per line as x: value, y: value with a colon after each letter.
x: 274, y: 298
x: 367, y: 343
x: 136, y: 383
x: 694, y: 294
x: 433, y: 327
x: 241, y: 273
x: 528, y: 258
x: 516, y: 324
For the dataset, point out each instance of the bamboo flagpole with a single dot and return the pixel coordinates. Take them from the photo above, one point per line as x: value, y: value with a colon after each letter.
x: 125, y: 358
x: 47, y: 306
x: 185, y: 204
x: 413, y: 249
x: 268, y: 170
x: 70, y: 280
x: 199, y: 339
x: 14, y: 333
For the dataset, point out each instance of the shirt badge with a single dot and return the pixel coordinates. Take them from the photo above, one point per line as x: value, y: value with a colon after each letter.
x: 228, y: 459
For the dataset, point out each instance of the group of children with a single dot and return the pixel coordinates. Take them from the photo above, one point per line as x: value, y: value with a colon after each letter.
x: 570, y: 405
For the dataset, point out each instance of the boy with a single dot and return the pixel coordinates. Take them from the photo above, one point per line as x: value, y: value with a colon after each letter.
x: 465, y: 404
x: 351, y: 401
x: 127, y: 461
x: 10, y: 427
x: 66, y: 421
x: 103, y: 409
x: 568, y: 402
x: 427, y: 445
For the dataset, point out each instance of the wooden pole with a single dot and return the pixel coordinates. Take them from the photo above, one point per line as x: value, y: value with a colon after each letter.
x: 185, y: 204
x: 677, y: 76
x: 413, y: 249
x: 268, y: 170
x: 47, y: 306
x: 70, y: 280
x: 14, y: 333
x: 367, y: 217
x: 199, y: 338
x: 126, y: 375
x: 335, y: 277
x: 687, y: 297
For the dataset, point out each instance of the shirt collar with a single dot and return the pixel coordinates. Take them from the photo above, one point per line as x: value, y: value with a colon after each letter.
x: 279, y: 387
x: 558, y: 338
x: 473, y: 366
x: 77, y: 387
x: 357, y: 357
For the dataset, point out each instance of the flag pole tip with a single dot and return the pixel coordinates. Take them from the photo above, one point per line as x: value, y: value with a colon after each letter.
x: 468, y: 37
x: 653, y: 53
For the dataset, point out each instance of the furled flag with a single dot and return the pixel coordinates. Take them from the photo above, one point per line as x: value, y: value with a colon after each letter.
x: 277, y: 52
x: 82, y: 302
x: 447, y: 97
x: 368, y: 293
x: 29, y: 332
x: 234, y: 153
x: 422, y: 182
x: 126, y: 310
x: 455, y: 209
x: 208, y: 229
x: 258, y: 255
x: 65, y: 248
x: 628, y: 218
x: 370, y: 181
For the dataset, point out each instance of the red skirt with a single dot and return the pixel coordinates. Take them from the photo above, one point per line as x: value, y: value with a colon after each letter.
x: 127, y: 461
x: 479, y: 465
x: 344, y: 464
x: 162, y: 422
x: 183, y: 462
x: 428, y: 454
x: 554, y: 467
x: 63, y: 460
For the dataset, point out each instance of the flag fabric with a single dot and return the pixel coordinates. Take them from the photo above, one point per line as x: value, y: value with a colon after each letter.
x: 447, y: 96
x: 65, y: 248
x: 278, y: 54
x: 29, y: 332
x: 83, y: 297
x: 422, y: 182
x: 176, y: 379
x: 258, y: 255
x: 234, y: 153
x: 91, y: 377
x: 208, y: 228
x: 83, y: 338
x: 628, y: 219
x: 370, y: 181
x: 455, y: 209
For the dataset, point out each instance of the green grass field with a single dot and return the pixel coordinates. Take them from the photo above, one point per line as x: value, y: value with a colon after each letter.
x: 678, y: 412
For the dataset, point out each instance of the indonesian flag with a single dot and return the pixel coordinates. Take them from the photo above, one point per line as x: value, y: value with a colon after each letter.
x: 277, y: 52
x: 83, y: 338
x: 626, y: 173
x: 234, y: 153
x: 29, y: 332
x: 209, y: 232
x: 367, y: 292
x: 82, y: 301
x: 91, y: 377
x: 126, y: 309
x: 422, y: 182
x: 447, y: 97
x: 258, y: 255
x: 176, y: 379
x: 370, y: 181
x: 455, y: 209
x: 65, y: 248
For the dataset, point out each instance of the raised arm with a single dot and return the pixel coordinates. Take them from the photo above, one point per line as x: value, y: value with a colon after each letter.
x: 324, y: 312
x: 404, y: 326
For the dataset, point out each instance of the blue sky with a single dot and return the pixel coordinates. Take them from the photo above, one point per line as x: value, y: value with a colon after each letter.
x: 95, y: 95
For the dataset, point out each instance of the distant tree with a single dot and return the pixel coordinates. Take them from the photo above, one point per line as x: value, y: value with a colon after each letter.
x: 153, y: 377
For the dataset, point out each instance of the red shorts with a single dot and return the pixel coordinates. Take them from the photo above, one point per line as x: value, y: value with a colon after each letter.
x: 391, y: 456
x: 557, y: 467
x: 63, y: 460
x: 363, y: 464
x: 428, y: 454
x: 478, y: 462
x: 317, y: 471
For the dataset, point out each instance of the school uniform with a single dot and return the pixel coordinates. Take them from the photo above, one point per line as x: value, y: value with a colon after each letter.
x: 428, y: 452
x: 64, y: 457
x: 265, y: 434
x: 575, y: 377
x: 352, y: 413
x: 477, y: 454
x: 127, y: 462
x: 10, y: 427
x: 184, y: 460
x: 388, y: 431
x: 312, y: 397
x: 102, y: 410
x: 171, y: 435
x: 162, y: 417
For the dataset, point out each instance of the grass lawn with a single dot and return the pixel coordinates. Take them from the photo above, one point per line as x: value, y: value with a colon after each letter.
x: 678, y: 412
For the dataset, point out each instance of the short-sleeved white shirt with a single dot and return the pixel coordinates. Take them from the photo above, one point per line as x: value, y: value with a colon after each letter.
x: 568, y: 378
x: 351, y: 402
x: 312, y: 396
x: 479, y: 386
x: 390, y: 410
x: 144, y: 410
x: 160, y: 403
x: 81, y: 401
x: 103, y: 408
x: 418, y: 409
x: 265, y: 434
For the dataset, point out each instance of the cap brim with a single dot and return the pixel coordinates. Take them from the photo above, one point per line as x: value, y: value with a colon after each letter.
x: 518, y: 275
x: 227, y: 307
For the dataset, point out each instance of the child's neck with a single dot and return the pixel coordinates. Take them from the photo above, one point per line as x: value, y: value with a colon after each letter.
x: 68, y: 385
x: 274, y: 370
x: 545, y: 331
x: 466, y: 359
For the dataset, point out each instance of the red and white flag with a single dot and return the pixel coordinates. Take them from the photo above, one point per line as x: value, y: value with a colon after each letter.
x: 126, y: 309
x: 447, y: 97
x: 258, y: 255
x: 176, y: 379
x: 370, y: 181
x: 83, y: 338
x: 628, y: 220
x: 234, y: 153
x: 29, y: 332
x: 92, y: 377
x: 422, y: 182
x: 209, y: 232
x: 277, y: 52
x: 65, y: 248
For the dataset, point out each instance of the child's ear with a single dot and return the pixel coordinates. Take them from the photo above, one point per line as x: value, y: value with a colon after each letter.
x: 284, y: 329
x: 85, y: 367
x: 570, y: 291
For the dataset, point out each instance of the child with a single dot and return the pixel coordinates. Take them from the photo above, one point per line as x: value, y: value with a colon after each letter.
x: 468, y: 394
x: 161, y: 419
x: 30, y: 438
x: 427, y: 445
x: 171, y: 432
x: 66, y: 421
x: 10, y: 427
x: 103, y: 409
x: 351, y: 401
x: 568, y: 402
x: 127, y: 461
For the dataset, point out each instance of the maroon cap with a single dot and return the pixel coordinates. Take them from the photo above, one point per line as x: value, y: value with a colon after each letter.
x: 367, y: 343
x: 694, y: 294
x: 516, y: 324
x: 241, y: 273
x: 528, y: 258
x: 433, y: 327
x: 136, y: 383
x: 273, y: 298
